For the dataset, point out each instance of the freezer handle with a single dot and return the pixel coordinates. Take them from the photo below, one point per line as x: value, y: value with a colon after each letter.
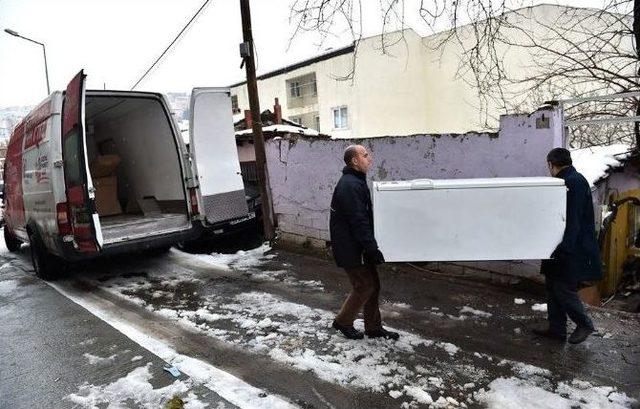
x: 418, y: 184
x: 421, y: 184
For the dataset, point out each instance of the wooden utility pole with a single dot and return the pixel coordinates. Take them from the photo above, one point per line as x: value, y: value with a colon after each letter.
x: 246, y: 52
x: 636, y: 36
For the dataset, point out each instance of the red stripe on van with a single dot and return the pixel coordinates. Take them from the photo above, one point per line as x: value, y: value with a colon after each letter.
x: 72, y: 105
x: 38, y: 115
x: 35, y: 135
x: 75, y: 195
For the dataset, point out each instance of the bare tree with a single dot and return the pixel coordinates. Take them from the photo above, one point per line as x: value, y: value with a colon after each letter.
x: 575, y: 52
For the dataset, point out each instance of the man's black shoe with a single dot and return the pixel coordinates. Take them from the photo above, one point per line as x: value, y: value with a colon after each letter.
x: 579, y: 335
x: 547, y: 333
x: 383, y: 333
x: 348, y: 331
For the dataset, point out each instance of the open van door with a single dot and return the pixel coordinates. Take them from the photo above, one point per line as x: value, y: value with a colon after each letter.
x: 215, y: 156
x: 81, y: 214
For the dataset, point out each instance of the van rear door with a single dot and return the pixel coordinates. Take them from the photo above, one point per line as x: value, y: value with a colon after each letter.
x: 81, y: 208
x: 215, y: 156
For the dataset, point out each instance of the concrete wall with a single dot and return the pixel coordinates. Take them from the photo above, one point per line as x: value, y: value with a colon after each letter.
x: 303, y: 172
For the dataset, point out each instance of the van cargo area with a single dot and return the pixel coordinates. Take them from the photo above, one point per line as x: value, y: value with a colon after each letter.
x: 135, y: 167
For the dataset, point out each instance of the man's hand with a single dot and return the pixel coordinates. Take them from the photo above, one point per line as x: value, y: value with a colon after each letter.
x: 373, y: 257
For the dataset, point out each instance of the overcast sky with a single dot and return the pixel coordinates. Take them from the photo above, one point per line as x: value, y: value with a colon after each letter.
x: 115, y: 41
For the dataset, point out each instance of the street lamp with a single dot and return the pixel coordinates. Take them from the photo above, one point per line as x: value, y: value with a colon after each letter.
x: 46, y: 70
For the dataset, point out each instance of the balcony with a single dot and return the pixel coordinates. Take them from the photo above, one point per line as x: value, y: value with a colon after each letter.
x: 302, y: 91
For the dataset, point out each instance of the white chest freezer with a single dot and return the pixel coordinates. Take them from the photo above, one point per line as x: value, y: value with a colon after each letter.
x: 469, y: 219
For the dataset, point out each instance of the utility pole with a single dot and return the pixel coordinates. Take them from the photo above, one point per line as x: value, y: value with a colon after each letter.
x: 636, y: 36
x: 246, y: 52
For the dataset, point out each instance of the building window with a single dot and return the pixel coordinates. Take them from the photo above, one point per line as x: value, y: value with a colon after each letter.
x: 296, y: 119
x: 294, y: 89
x: 234, y: 104
x: 317, y: 119
x: 340, y: 115
x: 302, y: 91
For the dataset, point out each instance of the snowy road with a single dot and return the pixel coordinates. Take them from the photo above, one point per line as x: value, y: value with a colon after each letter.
x: 254, y: 330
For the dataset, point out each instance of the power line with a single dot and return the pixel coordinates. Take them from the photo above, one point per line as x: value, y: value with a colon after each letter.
x: 170, y: 45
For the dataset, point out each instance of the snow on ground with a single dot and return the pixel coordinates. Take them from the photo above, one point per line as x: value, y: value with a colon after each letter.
x: 252, y: 262
x: 98, y: 360
x: 300, y: 336
x: 519, y: 301
x: 224, y: 384
x: 419, y: 395
x: 7, y: 287
x: 88, y: 342
x: 594, y: 162
x: 241, y: 261
x: 521, y: 394
x: 468, y: 310
x: 539, y: 307
x: 134, y: 388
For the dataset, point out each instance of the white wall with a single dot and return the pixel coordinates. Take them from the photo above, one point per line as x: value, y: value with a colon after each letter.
x: 415, y: 87
x: 381, y: 98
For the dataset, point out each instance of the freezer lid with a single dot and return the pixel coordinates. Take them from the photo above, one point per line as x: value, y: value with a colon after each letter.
x: 429, y: 184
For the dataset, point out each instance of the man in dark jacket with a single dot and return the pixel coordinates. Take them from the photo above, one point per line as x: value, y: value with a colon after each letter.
x: 354, y: 246
x: 575, y: 260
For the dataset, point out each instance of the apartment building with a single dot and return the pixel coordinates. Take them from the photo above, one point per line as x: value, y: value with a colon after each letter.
x: 411, y: 87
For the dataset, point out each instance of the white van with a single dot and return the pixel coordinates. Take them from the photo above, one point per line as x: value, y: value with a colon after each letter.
x: 92, y: 173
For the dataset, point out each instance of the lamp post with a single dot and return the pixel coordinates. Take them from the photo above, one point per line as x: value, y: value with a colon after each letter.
x: 44, y: 51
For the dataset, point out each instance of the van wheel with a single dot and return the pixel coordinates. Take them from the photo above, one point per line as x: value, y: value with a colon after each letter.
x: 12, y: 242
x: 46, y: 266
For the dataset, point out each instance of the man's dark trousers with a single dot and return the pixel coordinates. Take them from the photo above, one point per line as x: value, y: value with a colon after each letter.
x: 563, y: 301
x: 364, y: 296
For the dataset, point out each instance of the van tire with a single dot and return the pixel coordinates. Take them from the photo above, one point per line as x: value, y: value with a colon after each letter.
x: 12, y: 242
x: 46, y: 266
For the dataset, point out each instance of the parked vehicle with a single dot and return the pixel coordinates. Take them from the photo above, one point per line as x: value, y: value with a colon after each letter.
x: 1, y: 206
x: 91, y: 173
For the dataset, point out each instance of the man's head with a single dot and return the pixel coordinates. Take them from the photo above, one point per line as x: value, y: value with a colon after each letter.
x: 357, y: 157
x: 558, y: 159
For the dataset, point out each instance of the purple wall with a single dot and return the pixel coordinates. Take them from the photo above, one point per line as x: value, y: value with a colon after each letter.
x: 303, y: 172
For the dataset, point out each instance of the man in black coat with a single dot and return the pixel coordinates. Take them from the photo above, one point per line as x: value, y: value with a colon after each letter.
x: 575, y: 260
x: 354, y: 246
